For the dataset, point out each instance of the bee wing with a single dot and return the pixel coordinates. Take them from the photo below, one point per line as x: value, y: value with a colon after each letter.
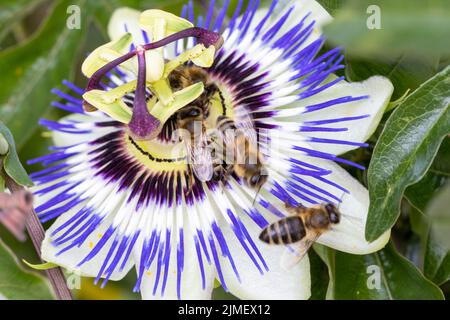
x: 201, y: 162
x: 245, y: 124
x: 296, y: 251
x: 297, y: 209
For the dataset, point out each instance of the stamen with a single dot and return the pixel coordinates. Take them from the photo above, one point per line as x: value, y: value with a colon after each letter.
x: 94, y: 81
x: 205, y: 37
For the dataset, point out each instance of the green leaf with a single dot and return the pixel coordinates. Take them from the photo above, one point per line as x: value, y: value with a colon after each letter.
x: 31, y: 70
x: 17, y: 283
x: 417, y: 28
x: 423, y: 196
x: 319, y: 277
x: 11, y: 162
x: 405, y: 150
x: 384, y: 275
x: 332, y: 5
x: 11, y: 12
x: 404, y: 72
x: 441, y: 164
x: 434, y: 227
x: 2, y: 183
x: 420, y: 194
x: 437, y: 259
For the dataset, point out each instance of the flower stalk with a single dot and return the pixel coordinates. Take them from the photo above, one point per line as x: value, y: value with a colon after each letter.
x: 37, y: 234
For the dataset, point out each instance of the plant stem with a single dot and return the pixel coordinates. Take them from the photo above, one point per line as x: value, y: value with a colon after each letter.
x: 36, y: 232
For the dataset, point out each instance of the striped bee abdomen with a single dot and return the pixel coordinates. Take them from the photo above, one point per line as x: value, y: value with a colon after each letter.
x: 284, y: 231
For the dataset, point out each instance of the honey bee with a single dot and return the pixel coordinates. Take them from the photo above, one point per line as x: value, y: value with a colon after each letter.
x: 191, y: 119
x: 301, y: 229
x: 13, y: 211
x: 247, y: 161
x: 186, y: 75
x: 208, y: 157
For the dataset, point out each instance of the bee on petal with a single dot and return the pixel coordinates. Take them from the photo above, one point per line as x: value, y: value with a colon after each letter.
x: 300, y: 229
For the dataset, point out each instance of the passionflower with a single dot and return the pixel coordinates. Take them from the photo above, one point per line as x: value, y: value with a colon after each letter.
x: 119, y: 194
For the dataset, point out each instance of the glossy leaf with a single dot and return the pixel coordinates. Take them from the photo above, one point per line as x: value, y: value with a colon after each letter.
x: 11, y: 162
x: 16, y: 283
x: 28, y: 78
x: 384, y: 275
x: 405, y: 150
x: 319, y: 276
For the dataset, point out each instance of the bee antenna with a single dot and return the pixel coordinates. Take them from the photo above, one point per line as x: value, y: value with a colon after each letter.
x: 343, y: 214
x: 256, y: 195
x: 340, y: 199
x: 350, y: 217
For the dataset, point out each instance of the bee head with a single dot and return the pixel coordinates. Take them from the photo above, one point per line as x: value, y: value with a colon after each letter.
x: 333, y: 213
x: 193, y: 112
x: 256, y: 180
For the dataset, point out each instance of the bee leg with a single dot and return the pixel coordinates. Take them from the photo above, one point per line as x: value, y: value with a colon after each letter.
x: 227, y: 171
x: 224, y: 184
x: 190, y: 182
x: 189, y: 189
x: 288, y: 205
x: 223, y: 179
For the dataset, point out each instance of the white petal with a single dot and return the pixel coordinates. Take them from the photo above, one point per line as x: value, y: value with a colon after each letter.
x: 61, y: 139
x: 317, y: 14
x: 191, y: 280
x: 125, y: 17
x: 72, y: 257
x: 274, y: 284
x: 379, y: 89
